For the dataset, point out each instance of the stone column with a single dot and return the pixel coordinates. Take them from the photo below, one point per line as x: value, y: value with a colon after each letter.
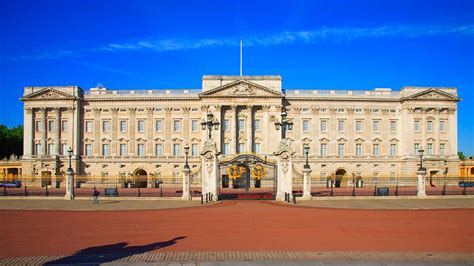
x: 284, y: 170
x: 186, y: 190
x: 57, y: 140
x: 28, y: 133
x: 149, y: 130
x: 249, y: 129
x: 209, y: 168
x: 97, y: 130
x: 115, y: 129
x: 421, y: 184
x: 217, y: 135
x: 167, y: 149
x: 44, y: 145
x: 233, y: 130
x: 186, y: 125
x: 453, y: 132
x: 131, y: 131
x: 265, y: 129
x: 306, y: 184
x: 69, y: 184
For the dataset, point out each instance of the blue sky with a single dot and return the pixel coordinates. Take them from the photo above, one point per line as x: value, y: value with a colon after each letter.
x: 171, y: 44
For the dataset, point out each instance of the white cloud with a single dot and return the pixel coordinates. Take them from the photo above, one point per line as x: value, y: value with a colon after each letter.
x: 323, y: 34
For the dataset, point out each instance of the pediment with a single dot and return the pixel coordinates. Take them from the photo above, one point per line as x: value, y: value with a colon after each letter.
x: 241, y: 88
x: 432, y: 95
x: 48, y: 94
x: 359, y: 140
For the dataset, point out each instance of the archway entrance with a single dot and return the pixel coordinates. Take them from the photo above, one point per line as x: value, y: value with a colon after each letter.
x: 339, y: 177
x: 140, y: 179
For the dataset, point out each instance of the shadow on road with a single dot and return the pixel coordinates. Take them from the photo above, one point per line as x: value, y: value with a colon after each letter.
x: 109, y: 253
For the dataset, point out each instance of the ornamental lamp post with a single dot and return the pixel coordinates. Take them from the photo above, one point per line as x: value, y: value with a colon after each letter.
x: 306, y: 153
x: 69, y: 153
x: 285, y: 124
x: 186, y: 152
x: 422, y: 170
x: 210, y: 124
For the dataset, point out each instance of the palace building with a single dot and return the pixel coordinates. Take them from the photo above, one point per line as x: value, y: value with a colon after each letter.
x: 350, y: 133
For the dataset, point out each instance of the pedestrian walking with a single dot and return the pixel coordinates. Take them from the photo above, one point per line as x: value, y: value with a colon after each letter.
x: 95, y: 196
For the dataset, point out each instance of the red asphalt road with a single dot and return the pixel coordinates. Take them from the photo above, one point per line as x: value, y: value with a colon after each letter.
x: 244, y: 225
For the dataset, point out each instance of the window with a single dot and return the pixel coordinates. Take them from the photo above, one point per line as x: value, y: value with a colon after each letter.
x: 358, y: 126
x: 50, y: 126
x: 393, y: 126
x: 429, y: 126
x: 256, y: 124
x: 123, y: 149
x: 416, y: 126
x: 123, y: 126
x: 194, y: 125
x: 88, y: 149
x: 141, y: 125
x: 441, y: 149
x: 105, y: 126
x: 241, y: 124
x: 37, y: 126
x: 176, y: 125
x: 159, y: 149
x: 305, y: 125
x: 376, y: 177
x: 38, y: 149
x: 194, y: 149
x: 159, y: 125
x: 417, y: 147
x: 376, y: 126
x: 141, y: 149
x: 358, y: 149
x: 64, y: 149
x: 105, y: 149
x: 324, y: 125
x: 429, y: 150
x: 88, y: 126
x: 241, y: 147
x: 51, y: 149
x: 257, y: 148
x: 176, y: 149
x: 324, y: 150
x: 64, y: 125
x: 393, y: 150
x: 226, y: 148
x: 340, y: 125
x: 226, y: 125
x: 340, y: 150
x: 376, y: 150
x: 322, y: 176
x: 442, y: 126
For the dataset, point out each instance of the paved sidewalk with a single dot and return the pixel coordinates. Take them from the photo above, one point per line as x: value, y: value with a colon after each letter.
x: 252, y: 258
x: 380, y: 203
x: 104, y: 205
x: 137, y: 204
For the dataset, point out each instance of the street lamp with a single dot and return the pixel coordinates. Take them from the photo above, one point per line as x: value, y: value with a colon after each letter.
x: 421, y: 169
x: 69, y: 153
x: 306, y: 152
x: 285, y: 124
x: 210, y: 124
x: 186, y: 152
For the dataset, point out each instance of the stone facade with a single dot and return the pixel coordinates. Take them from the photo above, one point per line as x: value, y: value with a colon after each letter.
x: 142, y: 132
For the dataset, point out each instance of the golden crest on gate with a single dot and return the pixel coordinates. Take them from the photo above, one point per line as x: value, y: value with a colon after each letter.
x: 258, y: 171
x: 235, y: 171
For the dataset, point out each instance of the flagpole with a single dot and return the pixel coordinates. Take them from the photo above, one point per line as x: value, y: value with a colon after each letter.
x: 241, y: 58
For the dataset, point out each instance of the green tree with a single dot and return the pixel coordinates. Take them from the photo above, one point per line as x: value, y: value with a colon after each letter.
x: 11, y: 141
x: 461, y: 155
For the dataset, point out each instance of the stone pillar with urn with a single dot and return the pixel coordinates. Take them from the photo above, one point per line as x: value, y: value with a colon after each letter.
x: 209, y: 160
x: 284, y: 156
x: 186, y: 175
